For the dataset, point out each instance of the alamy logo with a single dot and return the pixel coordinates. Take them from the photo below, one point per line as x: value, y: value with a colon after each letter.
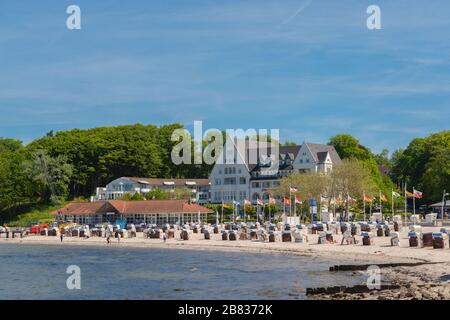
x: 74, y: 280
x: 74, y: 20
x: 374, y: 279
x: 374, y: 20
x: 250, y: 146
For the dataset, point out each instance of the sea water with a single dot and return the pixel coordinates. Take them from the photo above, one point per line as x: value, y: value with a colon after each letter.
x: 39, y: 272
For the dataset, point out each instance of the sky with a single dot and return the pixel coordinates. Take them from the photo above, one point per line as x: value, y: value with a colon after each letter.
x: 310, y: 68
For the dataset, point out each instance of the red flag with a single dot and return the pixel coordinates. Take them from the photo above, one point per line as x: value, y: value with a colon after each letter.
x: 272, y: 200
x: 297, y: 200
x: 350, y: 199
x: 259, y: 202
x: 287, y: 201
x: 417, y: 194
x: 292, y: 189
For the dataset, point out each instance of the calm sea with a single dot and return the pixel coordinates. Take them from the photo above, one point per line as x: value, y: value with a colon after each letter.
x: 39, y: 272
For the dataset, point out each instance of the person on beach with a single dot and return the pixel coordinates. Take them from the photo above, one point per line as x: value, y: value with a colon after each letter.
x: 164, y: 237
x: 108, y: 239
x: 62, y: 237
x: 118, y: 237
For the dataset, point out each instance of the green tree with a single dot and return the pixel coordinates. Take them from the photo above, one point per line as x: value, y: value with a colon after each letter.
x: 50, y: 176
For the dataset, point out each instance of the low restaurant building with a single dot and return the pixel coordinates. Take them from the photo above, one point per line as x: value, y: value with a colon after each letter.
x: 145, y: 211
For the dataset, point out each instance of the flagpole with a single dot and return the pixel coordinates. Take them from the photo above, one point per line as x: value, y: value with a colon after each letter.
x: 257, y: 210
x: 443, y: 205
x: 406, y: 204
x: 414, y: 200
x: 381, y: 207
x: 392, y: 197
x: 364, y: 205
x: 290, y: 199
x: 334, y: 206
x: 222, y: 211
x: 295, y: 206
x: 245, y: 215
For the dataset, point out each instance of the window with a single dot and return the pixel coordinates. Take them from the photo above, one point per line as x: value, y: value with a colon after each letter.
x: 255, y: 185
x: 301, y: 160
x: 266, y: 184
x: 276, y: 183
x: 242, y: 180
x: 240, y: 171
x: 228, y: 181
x: 307, y: 160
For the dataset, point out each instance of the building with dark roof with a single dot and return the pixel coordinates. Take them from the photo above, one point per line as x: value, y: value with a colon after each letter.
x: 255, y: 170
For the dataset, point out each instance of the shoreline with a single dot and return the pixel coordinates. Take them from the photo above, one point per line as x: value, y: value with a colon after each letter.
x: 416, y: 282
x: 380, y: 251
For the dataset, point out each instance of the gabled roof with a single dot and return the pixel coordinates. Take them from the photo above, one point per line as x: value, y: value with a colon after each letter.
x: 322, y: 156
x: 319, y: 151
x: 132, y: 207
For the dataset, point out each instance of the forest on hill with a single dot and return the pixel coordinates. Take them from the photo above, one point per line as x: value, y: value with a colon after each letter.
x: 70, y: 164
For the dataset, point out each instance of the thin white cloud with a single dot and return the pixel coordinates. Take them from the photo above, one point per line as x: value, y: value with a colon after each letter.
x: 302, y: 7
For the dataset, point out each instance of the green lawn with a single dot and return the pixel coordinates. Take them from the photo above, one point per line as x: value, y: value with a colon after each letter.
x: 39, y: 214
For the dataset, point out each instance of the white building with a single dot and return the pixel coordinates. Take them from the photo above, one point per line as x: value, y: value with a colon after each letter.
x: 241, y: 179
x: 199, y: 188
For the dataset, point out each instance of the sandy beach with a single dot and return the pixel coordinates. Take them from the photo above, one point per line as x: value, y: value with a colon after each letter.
x: 427, y: 281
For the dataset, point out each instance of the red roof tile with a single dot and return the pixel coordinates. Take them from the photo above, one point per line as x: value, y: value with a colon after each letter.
x: 132, y: 207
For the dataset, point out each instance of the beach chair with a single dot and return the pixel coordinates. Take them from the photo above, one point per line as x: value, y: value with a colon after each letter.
x: 427, y: 239
x: 413, y: 239
x: 224, y: 235
x: 271, y: 236
x: 286, y: 236
x: 184, y: 235
x: 439, y: 240
x: 395, y: 239
x: 347, y: 238
x: 366, y: 239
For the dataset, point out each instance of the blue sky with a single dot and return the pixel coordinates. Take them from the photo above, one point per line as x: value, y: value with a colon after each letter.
x: 308, y: 67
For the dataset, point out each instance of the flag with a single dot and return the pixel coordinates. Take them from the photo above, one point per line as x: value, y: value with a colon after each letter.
x: 383, y: 197
x: 287, y: 201
x: 235, y: 202
x: 246, y: 202
x: 417, y: 194
x: 292, y: 189
x: 338, y: 200
x: 297, y: 200
x: 259, y: 202
x: 368, y: 198
x: 226, y: 206
x: 323, y: 199
x: 409, y: 194
x: 350, y: 199
x: 272, y: 200
x: 395, y: 194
